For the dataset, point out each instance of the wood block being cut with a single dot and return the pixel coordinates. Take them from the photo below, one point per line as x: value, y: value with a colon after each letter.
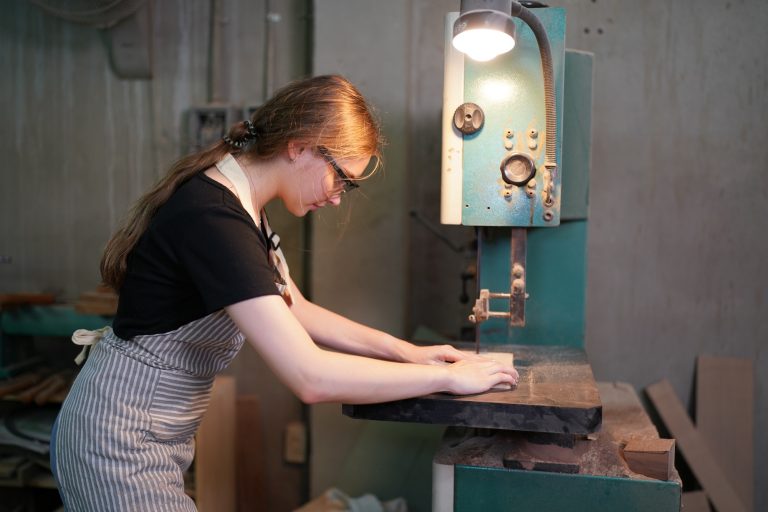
x: 654, y: 458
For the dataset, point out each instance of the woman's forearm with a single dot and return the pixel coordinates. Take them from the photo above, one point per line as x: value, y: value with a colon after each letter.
x: 338, y: 333
x: 317, y: 375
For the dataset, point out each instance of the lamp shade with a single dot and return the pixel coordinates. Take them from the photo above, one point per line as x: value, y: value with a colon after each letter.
x: 483, y: 34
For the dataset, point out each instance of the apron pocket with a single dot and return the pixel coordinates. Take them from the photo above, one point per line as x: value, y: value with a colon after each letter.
x: 178, y: 404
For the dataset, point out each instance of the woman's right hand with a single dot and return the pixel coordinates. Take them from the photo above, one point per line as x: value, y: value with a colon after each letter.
x: 479, y: 374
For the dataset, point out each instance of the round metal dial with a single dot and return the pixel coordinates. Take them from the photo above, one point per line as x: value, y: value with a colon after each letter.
x: 518, y: 169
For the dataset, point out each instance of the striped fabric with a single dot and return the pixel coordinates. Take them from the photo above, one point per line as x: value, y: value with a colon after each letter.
x: 125, y: 433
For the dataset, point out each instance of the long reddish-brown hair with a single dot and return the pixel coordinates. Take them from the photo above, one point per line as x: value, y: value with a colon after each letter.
x: 325, y: 111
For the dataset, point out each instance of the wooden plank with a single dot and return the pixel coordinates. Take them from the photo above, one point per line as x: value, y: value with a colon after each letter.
x: 502, y: 357
x: 694, y: 448
x: 251, y: 471
x: 215, y: 488
x: 725, y: 418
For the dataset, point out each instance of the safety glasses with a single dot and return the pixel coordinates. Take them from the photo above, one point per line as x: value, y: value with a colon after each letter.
x: 346, y: 183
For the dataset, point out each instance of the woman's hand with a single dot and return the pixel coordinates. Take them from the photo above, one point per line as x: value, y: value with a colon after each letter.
x: 469, y: 373
x: 479, y: 374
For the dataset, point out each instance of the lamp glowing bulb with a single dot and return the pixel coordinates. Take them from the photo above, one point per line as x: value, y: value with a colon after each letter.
x: 483, y: 44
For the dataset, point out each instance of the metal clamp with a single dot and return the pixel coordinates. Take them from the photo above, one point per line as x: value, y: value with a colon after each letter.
x: 481, y: 311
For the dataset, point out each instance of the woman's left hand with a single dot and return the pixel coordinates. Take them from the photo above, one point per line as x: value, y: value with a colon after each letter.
x: 434, y: 354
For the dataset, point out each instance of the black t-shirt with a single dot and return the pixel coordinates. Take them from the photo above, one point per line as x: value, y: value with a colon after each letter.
x: 200, y: 253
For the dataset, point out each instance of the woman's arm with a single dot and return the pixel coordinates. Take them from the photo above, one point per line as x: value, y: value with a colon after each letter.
x: 339, y: 333
x: 317, y: 375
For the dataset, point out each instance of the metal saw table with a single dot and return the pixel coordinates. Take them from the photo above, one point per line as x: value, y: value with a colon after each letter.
x: 556, y: 394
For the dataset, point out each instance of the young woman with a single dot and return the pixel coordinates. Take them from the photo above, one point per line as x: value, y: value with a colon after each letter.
x: 199, y: 272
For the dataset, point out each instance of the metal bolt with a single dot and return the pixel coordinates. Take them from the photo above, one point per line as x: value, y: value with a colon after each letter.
x: 517, y: 270
x: 533, y: 133
x: 548, y: 215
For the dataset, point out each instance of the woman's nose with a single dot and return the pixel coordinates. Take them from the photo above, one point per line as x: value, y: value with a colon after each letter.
x: 335, y: 200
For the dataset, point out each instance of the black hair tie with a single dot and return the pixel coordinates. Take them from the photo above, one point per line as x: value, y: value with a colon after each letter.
x: 251, y: 134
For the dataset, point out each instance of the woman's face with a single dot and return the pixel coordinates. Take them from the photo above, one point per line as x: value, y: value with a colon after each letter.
x: 318, y: 184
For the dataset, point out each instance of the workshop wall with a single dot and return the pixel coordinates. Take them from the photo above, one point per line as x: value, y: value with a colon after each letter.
x: 678, y: 191
x: 80, y: 145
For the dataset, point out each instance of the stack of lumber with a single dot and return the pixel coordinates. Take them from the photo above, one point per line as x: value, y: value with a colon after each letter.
x: 23, y: 299
x: 41, y: 386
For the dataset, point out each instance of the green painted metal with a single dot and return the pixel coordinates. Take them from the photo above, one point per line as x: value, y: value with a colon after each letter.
x: 56, y: 320
x: 556, y: 279
x: 510, y: 90
x: 486, y: 489
x: 556, y: 267
x: 577, y: 134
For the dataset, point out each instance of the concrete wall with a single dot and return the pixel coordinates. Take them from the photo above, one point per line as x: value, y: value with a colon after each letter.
x: 678, y: 191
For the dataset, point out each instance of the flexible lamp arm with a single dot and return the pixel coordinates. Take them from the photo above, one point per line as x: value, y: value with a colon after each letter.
x: 530, y: 19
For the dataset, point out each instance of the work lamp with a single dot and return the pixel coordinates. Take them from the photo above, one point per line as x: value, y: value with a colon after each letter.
x: 484, y: 33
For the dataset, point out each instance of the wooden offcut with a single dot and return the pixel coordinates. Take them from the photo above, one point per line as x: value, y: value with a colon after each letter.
x: 725, y: 418
x: 215, y: 488
x: 694, y: 448
x: 654, y: 458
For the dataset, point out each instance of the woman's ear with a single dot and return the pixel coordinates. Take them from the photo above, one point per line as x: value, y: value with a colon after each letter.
x: 295, y: 149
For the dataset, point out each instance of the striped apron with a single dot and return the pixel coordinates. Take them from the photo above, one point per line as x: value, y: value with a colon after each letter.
x: 124, y: 436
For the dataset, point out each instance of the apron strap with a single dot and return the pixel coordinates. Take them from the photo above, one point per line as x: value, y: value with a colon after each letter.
x: 229, y: 167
